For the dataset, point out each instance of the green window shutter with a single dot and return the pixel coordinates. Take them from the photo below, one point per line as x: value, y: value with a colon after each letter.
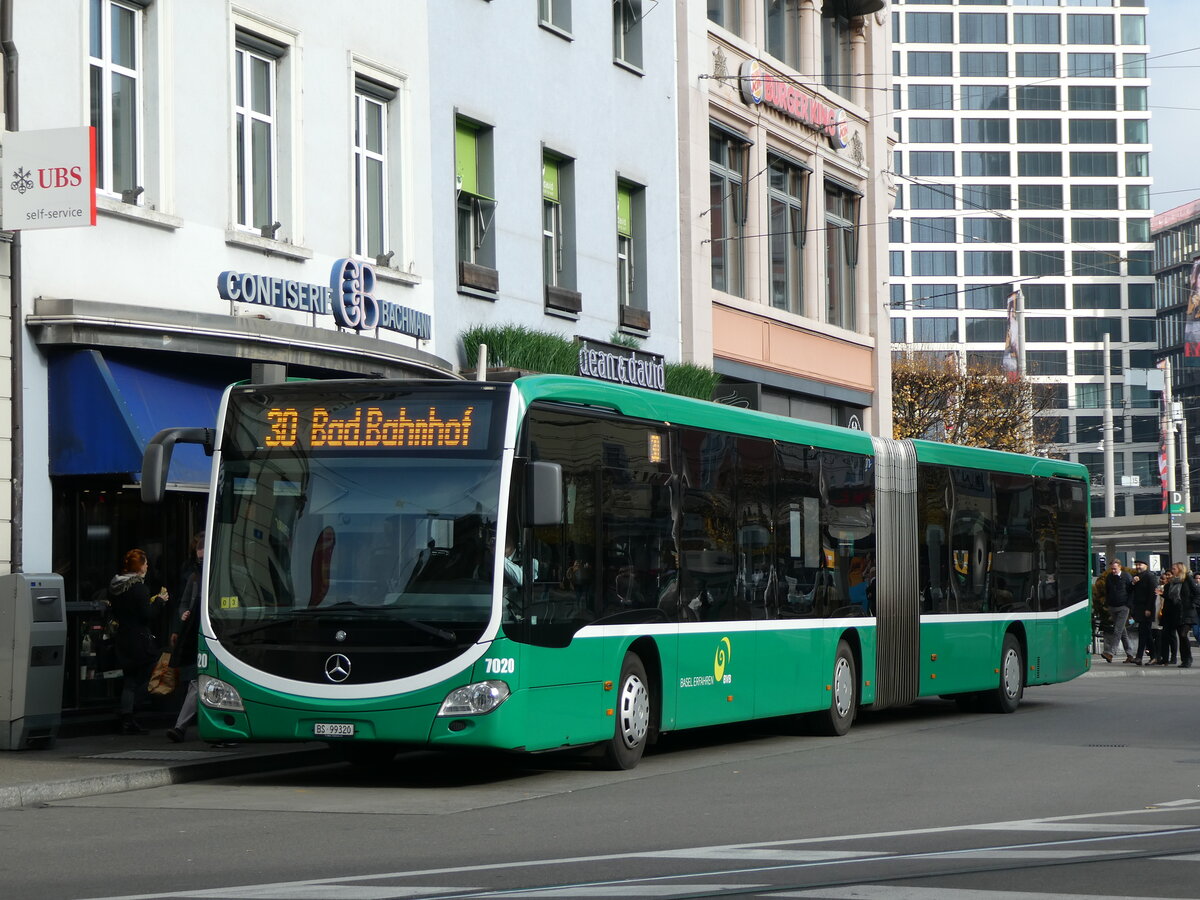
x: 549, y: 179
x: 624, y: 211
x: 466, y: 166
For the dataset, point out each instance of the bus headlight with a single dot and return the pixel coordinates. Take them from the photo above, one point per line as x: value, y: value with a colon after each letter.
x: 474, y: 699
x: 217, y: 694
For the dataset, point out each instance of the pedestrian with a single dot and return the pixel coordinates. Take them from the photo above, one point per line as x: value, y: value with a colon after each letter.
x: 1179, y: 614
x: 1118, y: 593
x: 185, y: 637
x: 134, y: 609
x: 1142, y: 609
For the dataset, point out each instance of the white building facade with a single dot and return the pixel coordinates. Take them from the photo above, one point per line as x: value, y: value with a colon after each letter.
x: 243, y: 151
x: 1024, y: 165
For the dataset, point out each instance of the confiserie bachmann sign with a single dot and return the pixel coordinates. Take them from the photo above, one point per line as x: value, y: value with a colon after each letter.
x: 621, y: 365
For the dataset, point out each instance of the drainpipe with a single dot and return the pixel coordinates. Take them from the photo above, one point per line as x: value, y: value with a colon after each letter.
x: 12, y: 123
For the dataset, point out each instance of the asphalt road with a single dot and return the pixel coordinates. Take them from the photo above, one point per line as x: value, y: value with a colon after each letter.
x: 1092, y: 789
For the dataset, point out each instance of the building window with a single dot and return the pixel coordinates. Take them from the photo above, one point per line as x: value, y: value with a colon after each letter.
x: 1102, y: 98
x: 1039, y: 131
x: 1094, y: 330
x: 627, y: 32
x: 841, y: 253
x: 933, y: 330
x: 1047, y: 362
x: 1091, y: 65
x: 256, y: 131
x: 1041, y: 231
x: 930, y: 62
x: 931, y: 162
x: 932, y: 197
x: 372, y: 238
x: 1133, y: 65
x: 115, y: 71
x: 985, y: 131
x: 898, y: 330
x: 934, y: 296
x: 727, y: 14
x: 1037, y: 65
x: 987, y: 296
x: 1140, y: 262
x: 1137, y: 196
x: 1096, y: 296
x: 556, y: 14
x: 930, y: 96
x: 987, y: 262
x: 558, y: 233
x: 1093, y: 196
x: 1093, y: 165
x: 988, y: 330
x: 1137, y: 230
x: 987, y: 196
x: 1141, y: 296
x: 727, y: 208
x: 632, y: 295
x: 1133, y: 29
x: 475, y: 206
x: 984, y: 96
x: 895, y: 262
x: 1093, y: 131
x: 1039, y: 97
x: 987, y: 231
x: 985, y: 164
x: 783, y: 31
x: 1042, y: 262
x: 1135, y: 98
x: 1137, y: 131
x: 932, y: 231
x: 1045, y: 296
x: 931, y: 131
x: 1095, y: 231
x: 929, y: 28
x: 1040, y: 330
x: 982, y: 28
x: 785, y: 197
x: 1095, y: 262
x: 1039, y: 165
x: 1089, y: 29
x: 836, y: 65
x: 1033, y: 28
x: 1040, y: 196
x: 934, y: 262
x: 1141, y: 329
x: 984, y: 65
x: 1137, y: 165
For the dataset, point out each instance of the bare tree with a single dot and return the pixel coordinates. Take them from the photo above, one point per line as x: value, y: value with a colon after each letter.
x: 933, y: 398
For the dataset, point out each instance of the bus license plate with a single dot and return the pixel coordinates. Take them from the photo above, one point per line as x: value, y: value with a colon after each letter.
x: 333, y: 729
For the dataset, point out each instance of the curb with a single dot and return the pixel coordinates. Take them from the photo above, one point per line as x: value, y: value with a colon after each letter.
x: 35, y: 793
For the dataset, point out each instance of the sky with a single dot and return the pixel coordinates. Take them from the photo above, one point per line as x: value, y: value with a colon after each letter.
x: 1174, y: 82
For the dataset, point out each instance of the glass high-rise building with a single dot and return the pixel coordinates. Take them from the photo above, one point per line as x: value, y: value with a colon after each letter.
x: 1023, y: 164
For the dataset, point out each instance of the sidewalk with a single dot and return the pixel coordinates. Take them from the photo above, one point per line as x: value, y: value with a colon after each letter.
x: 85, y: 765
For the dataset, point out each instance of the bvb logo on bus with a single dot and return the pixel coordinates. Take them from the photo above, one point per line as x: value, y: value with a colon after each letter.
x: 724, y: 652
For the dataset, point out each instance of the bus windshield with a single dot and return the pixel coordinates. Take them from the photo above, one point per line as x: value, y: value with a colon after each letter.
x: 339, y: 528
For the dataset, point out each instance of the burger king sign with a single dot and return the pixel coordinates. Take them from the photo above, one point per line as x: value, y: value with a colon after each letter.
x: 761, y: 87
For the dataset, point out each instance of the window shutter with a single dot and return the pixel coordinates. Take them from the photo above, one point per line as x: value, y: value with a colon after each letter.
x: 466, y: 167
x: 624, y: 212
x: 549, y: 179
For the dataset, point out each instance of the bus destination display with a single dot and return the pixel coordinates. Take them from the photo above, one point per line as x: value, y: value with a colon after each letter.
x: 372, y: 426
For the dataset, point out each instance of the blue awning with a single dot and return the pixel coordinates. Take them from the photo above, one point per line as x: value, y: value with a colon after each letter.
x: 104, y: 410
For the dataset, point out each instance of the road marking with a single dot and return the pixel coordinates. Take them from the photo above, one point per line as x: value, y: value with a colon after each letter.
x: 760, y: 855
x: 629, y: 890
x: 886, y: 892
x: 1032, y: 855
x: 1062, y: 827
x: 327, y: 891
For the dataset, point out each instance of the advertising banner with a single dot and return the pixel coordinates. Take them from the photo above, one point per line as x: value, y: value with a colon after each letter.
x: 1191, y: 324
x: 49, y: 178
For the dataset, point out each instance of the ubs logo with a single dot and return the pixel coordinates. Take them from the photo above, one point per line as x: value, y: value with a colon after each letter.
x: 337, y: 668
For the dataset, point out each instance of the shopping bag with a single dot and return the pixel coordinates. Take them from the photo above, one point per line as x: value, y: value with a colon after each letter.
x: 164, y: 677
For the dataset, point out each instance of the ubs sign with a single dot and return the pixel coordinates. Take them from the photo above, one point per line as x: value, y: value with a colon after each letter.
x: 759, y: 87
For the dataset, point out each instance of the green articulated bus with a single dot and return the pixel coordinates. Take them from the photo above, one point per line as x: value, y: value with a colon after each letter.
x: 562, y: 562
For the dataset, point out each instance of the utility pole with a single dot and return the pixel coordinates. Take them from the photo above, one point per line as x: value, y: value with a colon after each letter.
x: 1110, y: 494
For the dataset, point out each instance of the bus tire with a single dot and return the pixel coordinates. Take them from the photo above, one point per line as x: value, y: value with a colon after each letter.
x: 1006, y: 696
x: 633, y: 713
x: 843, y: 705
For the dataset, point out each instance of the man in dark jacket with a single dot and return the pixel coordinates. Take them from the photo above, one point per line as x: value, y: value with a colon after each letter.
x: 1119, y: 595
x: 1142, y: 609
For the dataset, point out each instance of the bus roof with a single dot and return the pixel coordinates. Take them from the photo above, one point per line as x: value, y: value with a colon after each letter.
x: 678, y: 410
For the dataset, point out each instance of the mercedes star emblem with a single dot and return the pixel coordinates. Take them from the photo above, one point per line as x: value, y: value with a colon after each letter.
x: 337, y: 668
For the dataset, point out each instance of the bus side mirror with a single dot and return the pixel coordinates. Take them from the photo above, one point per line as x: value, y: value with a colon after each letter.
x: 156, y: 458
x: 543, y: 493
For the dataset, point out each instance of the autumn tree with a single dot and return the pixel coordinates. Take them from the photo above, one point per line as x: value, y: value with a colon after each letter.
x: 983, y: 406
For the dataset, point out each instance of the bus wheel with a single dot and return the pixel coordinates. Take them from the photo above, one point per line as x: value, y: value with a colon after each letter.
x: 1006, y: 697
x: 632, y: 730
x: 843, y: 705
